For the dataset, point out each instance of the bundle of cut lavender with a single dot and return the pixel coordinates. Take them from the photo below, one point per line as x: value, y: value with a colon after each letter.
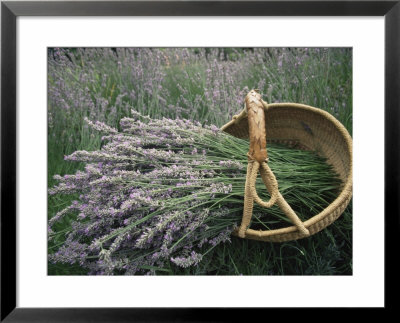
x: 164, y: 192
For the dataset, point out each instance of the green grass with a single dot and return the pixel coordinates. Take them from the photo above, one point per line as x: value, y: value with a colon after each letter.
x: 323, y: 80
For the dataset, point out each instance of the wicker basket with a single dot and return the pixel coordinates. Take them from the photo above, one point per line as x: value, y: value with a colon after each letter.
x: 312, y: 129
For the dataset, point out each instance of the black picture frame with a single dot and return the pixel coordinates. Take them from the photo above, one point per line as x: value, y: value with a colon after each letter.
x: 10, y: 10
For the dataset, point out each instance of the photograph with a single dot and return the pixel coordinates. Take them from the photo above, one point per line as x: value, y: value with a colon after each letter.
x: 166, y: 161
x: 199, y: 161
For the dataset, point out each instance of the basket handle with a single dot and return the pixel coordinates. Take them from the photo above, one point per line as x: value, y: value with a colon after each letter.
x: 256, y: 120
x: 257, y: 161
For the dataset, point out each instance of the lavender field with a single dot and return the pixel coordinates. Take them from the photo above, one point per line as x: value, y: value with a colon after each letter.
x: 142, y: 182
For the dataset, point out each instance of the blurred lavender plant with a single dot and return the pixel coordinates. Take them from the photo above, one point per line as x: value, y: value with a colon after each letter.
x: 204, y: 84
x: 163, y: 192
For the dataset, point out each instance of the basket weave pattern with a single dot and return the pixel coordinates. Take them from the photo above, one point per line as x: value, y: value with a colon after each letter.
x: 308, y: 128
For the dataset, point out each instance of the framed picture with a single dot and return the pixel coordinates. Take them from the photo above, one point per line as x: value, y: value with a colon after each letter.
x: 41, y: 44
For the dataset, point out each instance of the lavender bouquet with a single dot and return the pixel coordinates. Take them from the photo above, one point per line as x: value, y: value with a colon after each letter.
x: 162, y: 193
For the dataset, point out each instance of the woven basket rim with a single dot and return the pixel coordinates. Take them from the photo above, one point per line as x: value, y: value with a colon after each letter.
x: 333, y: 210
